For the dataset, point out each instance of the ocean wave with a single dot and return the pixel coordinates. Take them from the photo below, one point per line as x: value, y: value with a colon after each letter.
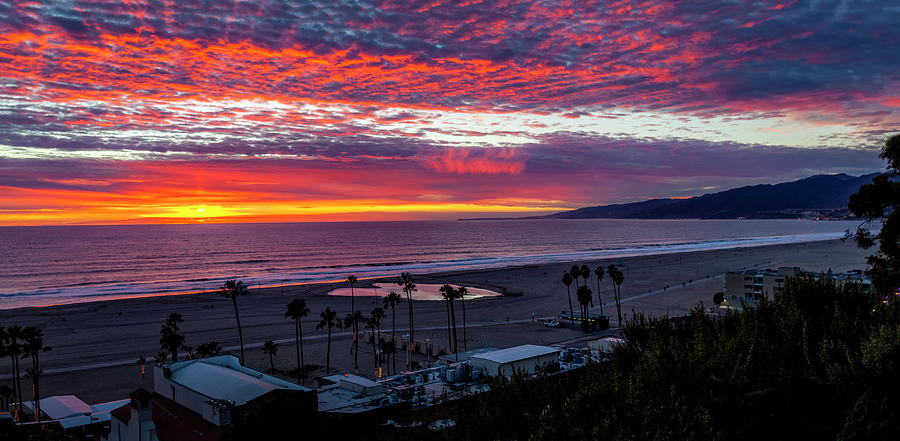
x: 90, y: 291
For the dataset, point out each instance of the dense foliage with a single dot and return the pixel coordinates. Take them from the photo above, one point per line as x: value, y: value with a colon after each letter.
x: 818, y: 361
x: 877, y: 203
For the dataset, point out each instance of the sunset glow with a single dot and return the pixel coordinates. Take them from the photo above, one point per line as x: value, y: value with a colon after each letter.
x: 148, y: 112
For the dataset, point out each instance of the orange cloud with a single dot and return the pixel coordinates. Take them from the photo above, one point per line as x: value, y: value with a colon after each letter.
x: 489, y: 161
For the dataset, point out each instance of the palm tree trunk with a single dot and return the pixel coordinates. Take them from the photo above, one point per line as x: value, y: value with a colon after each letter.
x: 449, y: 335
x: 571, y: 310
x: 412, y: 336
x: 355, y: 332
x: 355, y: 349
x: 374, y: 349
x: 12, y: 362
x: 393, y: 336
x: 302, y: 362
x: 237, y: 318
x: 37, y: 388
x: 455, y: 342
x: 465, y: 339
x: 18, y: 374
x: 599, y: 299
x: 618, y: 306
x: 297, y: 344
x: 328, y: 353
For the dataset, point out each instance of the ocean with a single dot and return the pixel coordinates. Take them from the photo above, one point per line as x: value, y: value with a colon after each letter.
x: 70, y: 264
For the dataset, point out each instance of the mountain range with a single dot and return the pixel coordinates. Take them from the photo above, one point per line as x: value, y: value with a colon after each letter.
x: 819, y: 196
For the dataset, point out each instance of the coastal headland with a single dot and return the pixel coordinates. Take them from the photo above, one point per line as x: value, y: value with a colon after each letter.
x: 96, y: 345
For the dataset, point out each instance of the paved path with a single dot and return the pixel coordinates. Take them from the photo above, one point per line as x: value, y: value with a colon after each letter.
x: 334, y: 335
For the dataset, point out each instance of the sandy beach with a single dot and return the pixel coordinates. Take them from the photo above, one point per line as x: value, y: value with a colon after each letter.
x: 96, y: 345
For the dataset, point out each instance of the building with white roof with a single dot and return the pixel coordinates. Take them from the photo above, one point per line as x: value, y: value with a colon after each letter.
x: 205, y: 398
x: 69, y: 411
x: 525, y: 358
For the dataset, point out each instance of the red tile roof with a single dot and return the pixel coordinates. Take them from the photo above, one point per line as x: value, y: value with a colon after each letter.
x: 172, y: 420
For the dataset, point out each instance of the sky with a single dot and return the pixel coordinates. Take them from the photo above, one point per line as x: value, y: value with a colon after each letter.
x: 339, y: 110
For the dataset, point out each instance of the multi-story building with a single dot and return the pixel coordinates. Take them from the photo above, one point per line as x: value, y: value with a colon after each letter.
x: 751, y: 286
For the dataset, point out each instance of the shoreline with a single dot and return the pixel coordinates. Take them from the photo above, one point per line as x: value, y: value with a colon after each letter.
x: 537, y: 260
x: 92, y: 342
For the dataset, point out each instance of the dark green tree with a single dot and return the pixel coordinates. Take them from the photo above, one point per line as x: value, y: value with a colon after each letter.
x: 209, y: 349
x: 617, y: 278
x: 232, y: 290
x: 296, y: 310
x: 567, y: 280
x: 270, y: 349
x: 34, y: 345
x: 351, y: 280
x: 14, y: 338
x: 461, y: 293
x: 599, y: 272
x: 408, y: 284
x: 329, y: 320
x: 391, y: 301
x: 879, y: 203
x: 171, y: 339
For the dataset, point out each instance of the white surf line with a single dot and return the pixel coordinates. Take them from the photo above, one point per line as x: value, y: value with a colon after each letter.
x: 256, y: 345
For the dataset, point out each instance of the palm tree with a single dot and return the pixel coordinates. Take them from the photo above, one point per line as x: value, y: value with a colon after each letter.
x: 370, y: 324
x: 161, y: 356
x: 329, y: 320
x: 617, y: 278
x: 586, y: 275
x: 391, y: 301
x: 461, y: 294
x: 599, y: 272
x: 142, y: 362
x: 4, y: 352
x: 13, y: 349
x: 575, y: 272
x: 209, y: 349
x: 389, y: 348
x: 584, y: 299
x: 567, y: 280
x: 170, y: 337
x: 232, y: 290
x: 270, y: 349
x: 408, y: 284
x: 296, y: 310
x: 450, y: 295
x: 353, y: 320
x: 34, y: 345
x: 376, y: 316
x: 351, y: 279
x: 6, y: 395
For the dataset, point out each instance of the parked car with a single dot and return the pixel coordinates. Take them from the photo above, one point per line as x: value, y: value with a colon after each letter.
x: 552, y: 324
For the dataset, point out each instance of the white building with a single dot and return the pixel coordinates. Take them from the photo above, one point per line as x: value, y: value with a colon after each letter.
x: 525, y: 358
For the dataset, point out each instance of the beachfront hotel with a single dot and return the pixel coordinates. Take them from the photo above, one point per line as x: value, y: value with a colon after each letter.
x: 751, y: 286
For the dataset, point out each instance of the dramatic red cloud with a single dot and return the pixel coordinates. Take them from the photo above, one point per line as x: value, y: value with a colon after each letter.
x: 141, y: 111
x: 480, y: 161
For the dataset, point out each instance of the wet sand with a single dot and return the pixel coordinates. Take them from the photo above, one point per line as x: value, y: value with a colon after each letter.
x: 96, y: 345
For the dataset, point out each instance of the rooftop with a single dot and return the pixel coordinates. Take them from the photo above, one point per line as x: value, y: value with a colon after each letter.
x: 224, y: 378
x: 70, y: 411
x: 516, y: 353
x: 463, y: 356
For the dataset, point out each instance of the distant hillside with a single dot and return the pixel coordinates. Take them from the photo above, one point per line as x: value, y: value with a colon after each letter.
x: 815, y: 196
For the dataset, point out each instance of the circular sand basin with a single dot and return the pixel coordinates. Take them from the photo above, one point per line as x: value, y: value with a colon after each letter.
x: 423, y: 291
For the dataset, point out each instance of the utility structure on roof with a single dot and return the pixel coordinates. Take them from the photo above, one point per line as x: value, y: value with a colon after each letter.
x: 506, y: 362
